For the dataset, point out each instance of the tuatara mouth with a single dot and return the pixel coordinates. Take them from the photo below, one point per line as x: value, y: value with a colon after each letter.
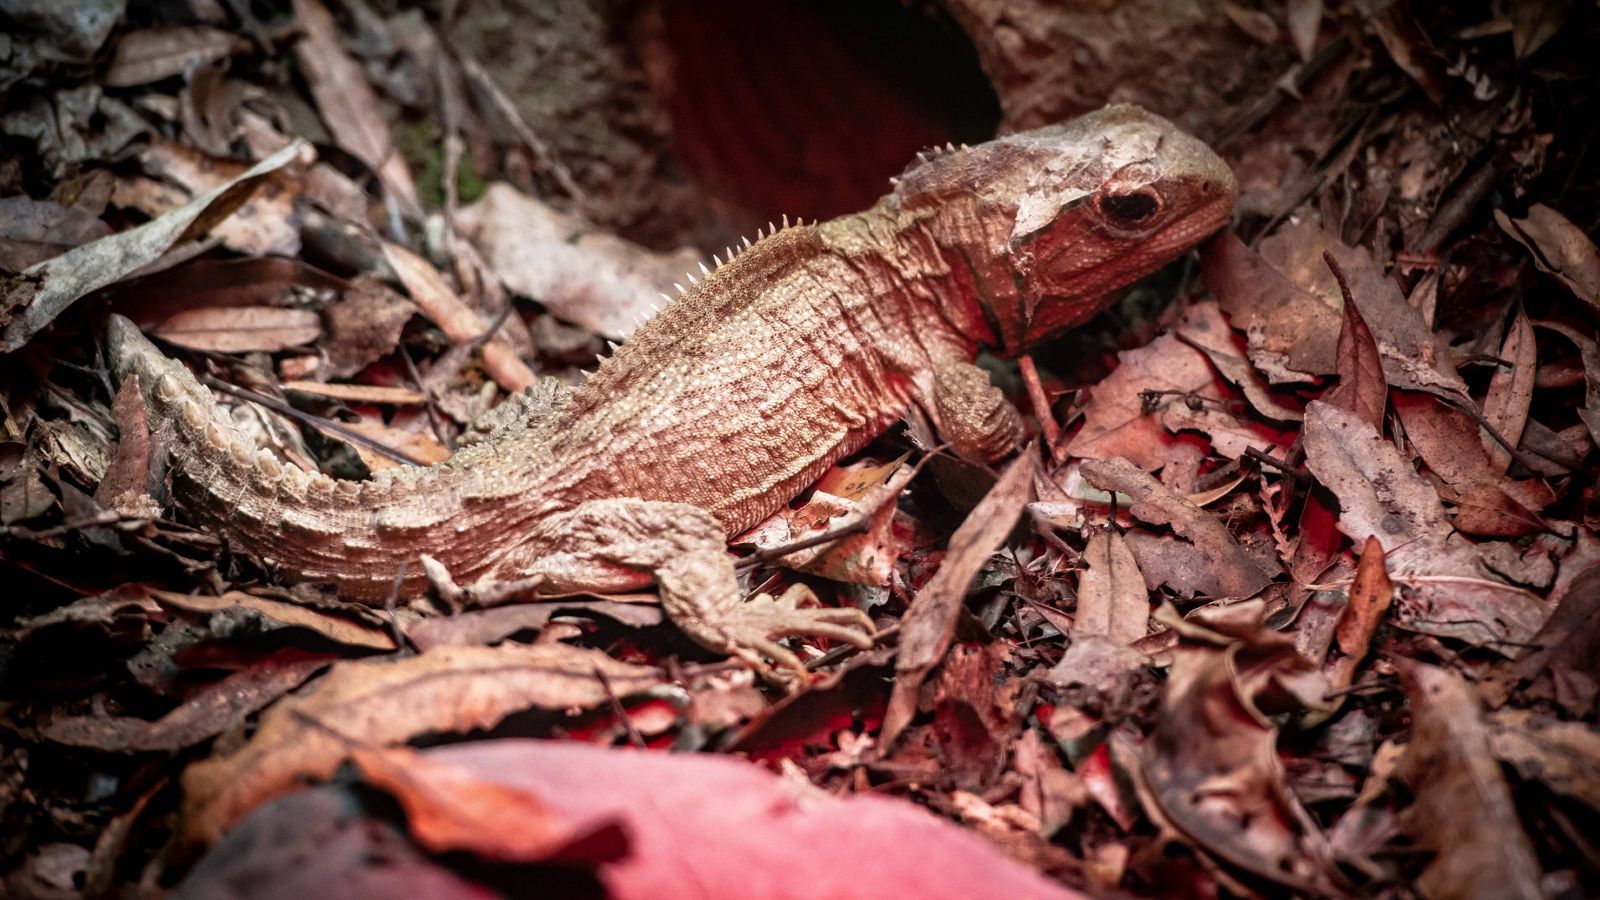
x: 832, y: 98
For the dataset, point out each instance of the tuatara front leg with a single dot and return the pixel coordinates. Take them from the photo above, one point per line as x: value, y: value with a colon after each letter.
x: 624, y: 543
x: 974, y: 415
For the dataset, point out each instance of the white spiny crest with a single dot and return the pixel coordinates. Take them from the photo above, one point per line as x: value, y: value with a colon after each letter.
x: 965, y: 147
x: 922, y: 156
x: 747, y: 240
x: 679, y: 287
x: 704, y: 270
x: 949, y: 147
x: 692, y: 279
x: 612, y: 347
x: 718, y: 260
x: 730, y: 253
x: 786, y: 220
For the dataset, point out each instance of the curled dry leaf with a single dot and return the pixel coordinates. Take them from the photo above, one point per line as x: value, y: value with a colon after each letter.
x: 1370, y: 596
x: 30, y: 301
x: 265, y: 224
x: 1211, y: 767
x: 358, y: 629
x: 1202, y: 557
x: 1463, y: 810
x: 448, y: 689
x: 584, y: 275
x: 1288, y: 302
x: 126, y: 483
x: 1559, y: 248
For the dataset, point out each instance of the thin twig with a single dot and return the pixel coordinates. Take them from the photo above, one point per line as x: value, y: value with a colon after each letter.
x: 278, y: 406
x: 1041, y: 408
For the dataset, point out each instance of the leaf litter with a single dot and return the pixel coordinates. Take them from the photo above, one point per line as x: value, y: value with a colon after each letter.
x: 1307, y: 606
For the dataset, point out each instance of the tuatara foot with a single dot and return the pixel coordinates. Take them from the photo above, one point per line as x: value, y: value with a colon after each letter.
x: 750, y: 631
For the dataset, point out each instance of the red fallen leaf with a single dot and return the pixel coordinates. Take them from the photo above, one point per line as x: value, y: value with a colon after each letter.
x: 707, y: 826
x: 448, y: 809
x: 1362, y: 388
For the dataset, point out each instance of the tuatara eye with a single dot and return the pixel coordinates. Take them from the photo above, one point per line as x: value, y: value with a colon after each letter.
x: 1130, y: 209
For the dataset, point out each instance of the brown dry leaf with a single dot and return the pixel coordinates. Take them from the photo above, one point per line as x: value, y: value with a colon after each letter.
x: 1444, y: 437
x: 1304, y: 20
x: 1362, y: 388
x: 125, y: 486
x: 33, y: 299
x: 1463, y: 810
x: 1205, y: 329
x: 491, y: 626
x: 1288, y: 302
x: 208, y: 713
x: 1562, y: 668
x: 1116, y: 421
x: 1202, y: 557
x: 240, y: 329
x: 1563, y: 756
x: 1589, y: 350
x: 32, y: 231
x: 1112, y: 598
x: 1505, y: 406
x: 448, y: 689
x: 385, y: 395
x: 264, y: 225
x: 585, y: 276
x: 928, y: 625
x: 1210, y: 766
x: 842, y: 495
x: 152, y: 54
x: 347, y: 630
x: 1050, y: 792
x: 420, y: 446
x: 363, y: 325
x: 445, y: 308
x: 1379, y: 493
x: 1559, y: 248
x: 1370, y: 596
x: 349, y: 106
x: 450, y: 809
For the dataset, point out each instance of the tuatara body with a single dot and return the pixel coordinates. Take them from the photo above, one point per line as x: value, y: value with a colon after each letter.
x: 739, y: 393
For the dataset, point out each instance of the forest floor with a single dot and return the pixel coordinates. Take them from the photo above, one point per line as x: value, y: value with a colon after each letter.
x: 1298, y: 594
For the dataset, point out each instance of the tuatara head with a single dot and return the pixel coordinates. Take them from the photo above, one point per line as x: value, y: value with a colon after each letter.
x: 1051, y: 223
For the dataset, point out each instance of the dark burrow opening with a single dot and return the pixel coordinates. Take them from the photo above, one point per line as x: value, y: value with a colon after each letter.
x: 807, y: 107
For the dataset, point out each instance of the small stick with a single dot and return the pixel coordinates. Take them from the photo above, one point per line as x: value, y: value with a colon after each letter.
x: 1041, y: 408
x: 278, y: 406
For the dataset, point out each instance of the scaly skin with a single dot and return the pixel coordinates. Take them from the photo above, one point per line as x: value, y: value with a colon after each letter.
x: 737, y: 395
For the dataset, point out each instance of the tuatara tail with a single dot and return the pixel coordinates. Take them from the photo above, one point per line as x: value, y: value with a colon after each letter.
x: 356, y: 534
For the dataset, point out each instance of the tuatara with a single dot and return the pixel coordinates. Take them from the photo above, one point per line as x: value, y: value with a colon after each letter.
x: 792, y: 354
